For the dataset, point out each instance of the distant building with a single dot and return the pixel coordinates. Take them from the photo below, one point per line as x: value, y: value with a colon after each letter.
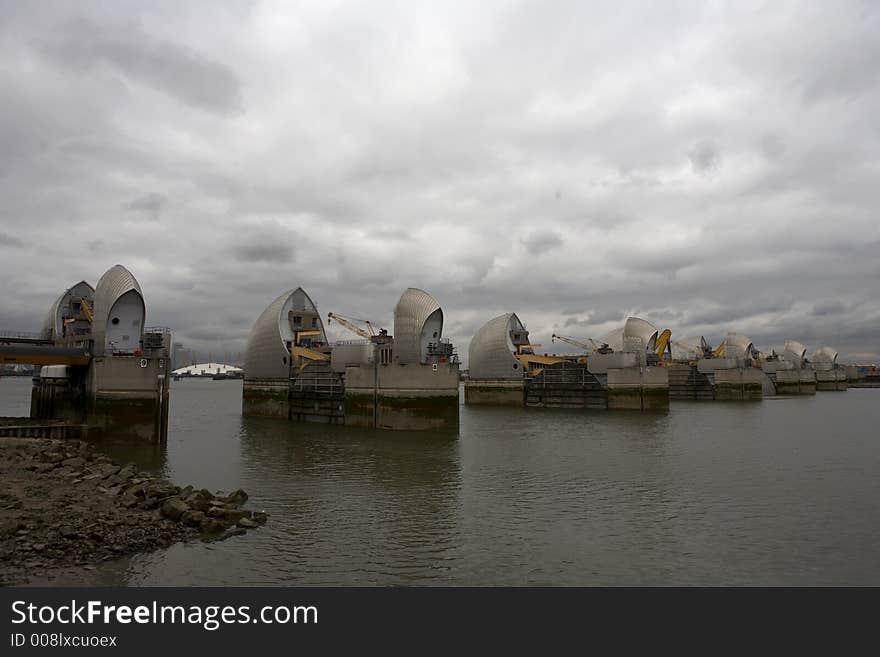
x: 177, y: 356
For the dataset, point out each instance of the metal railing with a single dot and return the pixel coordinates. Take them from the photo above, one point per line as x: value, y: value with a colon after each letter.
x: 21, y: 335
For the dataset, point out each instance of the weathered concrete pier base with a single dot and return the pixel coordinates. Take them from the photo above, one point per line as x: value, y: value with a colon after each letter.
x: 788, y: 379
x: 715, y: 379
x: 831, y: 379
x: 495, y: 392
x: 129, y: 395
x: 402, y: 396
x: 266, y: 397
x: 739, y: 384
x: 644, y: 388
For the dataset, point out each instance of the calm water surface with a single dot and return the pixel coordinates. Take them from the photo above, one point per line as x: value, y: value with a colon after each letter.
x: 784, y: 491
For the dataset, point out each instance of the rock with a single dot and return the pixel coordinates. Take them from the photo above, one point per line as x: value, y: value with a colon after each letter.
x: 192, y: 518
x: 237, y: 497
x: 247, y: 523
x: 68, y: 532
x: 135, y: 491
x: 161, y: 489
x: 173, y: 508
x: 231, y: 532
x: 211, y: 526
x: 77, y: 462
x: 260, y: 516
x: 123, y: 476
x: 198, y: 501
x: 53, y: 457
x: 108, y: 470
x: 10, y: 527
x: 229, y: 515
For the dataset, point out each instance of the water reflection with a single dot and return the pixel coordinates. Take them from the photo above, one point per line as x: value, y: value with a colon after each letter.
x: 354, y: 495
x: 781, y: 492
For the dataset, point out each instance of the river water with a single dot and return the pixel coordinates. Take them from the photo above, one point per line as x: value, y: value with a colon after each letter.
x: 784, y: 491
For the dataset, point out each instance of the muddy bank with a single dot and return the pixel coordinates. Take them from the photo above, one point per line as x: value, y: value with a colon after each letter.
x: 65, y: 506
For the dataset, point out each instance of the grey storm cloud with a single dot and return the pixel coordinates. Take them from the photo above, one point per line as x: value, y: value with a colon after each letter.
x: 828, y: 307
x: 541, y: 242
x: 174, y: 69
x: 10, y: 241
x: 711, y: 167
x: 151, y: 204
x: 704, y: 157
x: 264, y: 252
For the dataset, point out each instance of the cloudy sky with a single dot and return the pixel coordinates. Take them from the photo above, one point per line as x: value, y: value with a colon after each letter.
x: 708, y: 166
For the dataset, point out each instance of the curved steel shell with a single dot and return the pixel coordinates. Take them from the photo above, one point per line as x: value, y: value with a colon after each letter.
x: 266, y: 356
x: 637, y: 334
x: 738, y: 346
x: 637, y: 331
x: 115, y: 282
x: 490, y: 355
x: 411, y: 314
x: 825, y: 355
x: 52, y: 324
x: 613, y: 339
x: 794, y: 351
x: 687, y: 348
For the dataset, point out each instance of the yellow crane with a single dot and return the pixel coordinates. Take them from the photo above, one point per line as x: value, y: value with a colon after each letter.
x: 298, y: 335
x: 86, y: 308
x: 592, y: 346
x: 349, y: 323
x: 662, y: 343
x: 718, y: 352
x: 302, y: 356
x: 369, y: 333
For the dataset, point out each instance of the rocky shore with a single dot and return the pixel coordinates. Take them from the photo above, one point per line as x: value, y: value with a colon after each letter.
x: 63, y: 504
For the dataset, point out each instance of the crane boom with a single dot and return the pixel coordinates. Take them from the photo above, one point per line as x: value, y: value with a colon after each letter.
x: 663, y: 343
x: 87, y: 310
x: 592, y: 346
x: 349, y: 323
x: 572, y: 341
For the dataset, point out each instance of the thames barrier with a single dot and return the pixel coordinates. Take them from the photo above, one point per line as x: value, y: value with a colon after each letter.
x: 100, y: 367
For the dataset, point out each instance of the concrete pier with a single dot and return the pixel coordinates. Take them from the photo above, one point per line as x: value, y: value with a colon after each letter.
x: 830, y: 380
x: 789, y: 377
x: 129, y: 394
x: 495, y: 392
x: 505, y: 371
x: 409, y: 381
x: 123, y: 384
x: 829, y: 375
x: 266, y: 397
x: 739, y: 384
x: 644, y: 388
x: 715, y: 379
x: 402, y: 397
